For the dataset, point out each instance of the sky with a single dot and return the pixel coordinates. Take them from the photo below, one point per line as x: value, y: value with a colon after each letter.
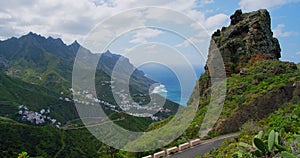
x: 183, y: 26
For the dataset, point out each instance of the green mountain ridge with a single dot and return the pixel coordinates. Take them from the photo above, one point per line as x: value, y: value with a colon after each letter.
x: 258, y: 84
x: 263, y: 93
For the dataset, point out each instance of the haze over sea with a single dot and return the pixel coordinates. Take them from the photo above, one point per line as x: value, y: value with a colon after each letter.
x: 169, y: 83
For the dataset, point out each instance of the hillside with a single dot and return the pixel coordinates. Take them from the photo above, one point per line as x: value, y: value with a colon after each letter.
x: 47, y: 63
x: 37, y: 72
x: 15, y: 92
x: 45, y: 141
x: 257, y: 82
x: 285, y: 121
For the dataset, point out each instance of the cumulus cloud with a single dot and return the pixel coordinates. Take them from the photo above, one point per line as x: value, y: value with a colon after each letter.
x: 188, y: 42
x: 160, y: 89
x: 205, y: 2
x: 205, y: 29
x: 216, y: 20
x: 71, y: 20
x: 142, y: 35
x: 250, y: 5
x: 279, y: 31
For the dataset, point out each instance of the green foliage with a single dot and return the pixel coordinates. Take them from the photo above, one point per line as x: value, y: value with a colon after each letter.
x: 286, y: 140
x: 285, y: 154
x: 260, y: 145
x: 132, y: 123
x: 271, y: 140
x: 259, y: 135
x: 45, y: 141
x: 263, y: 148
x: 23, y: 155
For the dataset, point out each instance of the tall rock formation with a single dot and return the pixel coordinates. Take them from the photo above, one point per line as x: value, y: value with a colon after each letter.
x: 237, y: 50
x: 247, y: 39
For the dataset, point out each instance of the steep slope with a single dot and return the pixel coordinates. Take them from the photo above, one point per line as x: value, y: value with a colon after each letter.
x: 48, y: 62
x: 36, y: 72
x: 257, y: 83
x: 248, y: 38
x: 285, y: 121
x: 14, y: 92
x: 45, y: 141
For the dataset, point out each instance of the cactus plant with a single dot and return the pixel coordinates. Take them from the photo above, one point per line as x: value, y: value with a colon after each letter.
x: 259, y: 135
x: 285, y: 154
x: 276, y: 138
x: 264, y: 148
x: 259, y: 144
x: 271, y: 140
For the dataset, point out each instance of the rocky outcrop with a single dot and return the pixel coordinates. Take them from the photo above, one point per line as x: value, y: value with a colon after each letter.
x: 246, y: 41
x: 248, y: 38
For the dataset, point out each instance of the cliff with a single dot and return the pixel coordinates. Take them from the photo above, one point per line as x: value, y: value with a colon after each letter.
x: 257, y: 82
x: 248, y: 38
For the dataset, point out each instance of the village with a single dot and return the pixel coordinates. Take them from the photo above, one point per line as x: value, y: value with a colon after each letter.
x: 42, y: 117
x: 37, y: 118
x: 130, y: 107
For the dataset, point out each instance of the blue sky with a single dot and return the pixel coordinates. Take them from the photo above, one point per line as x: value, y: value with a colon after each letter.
x: 71, y: 21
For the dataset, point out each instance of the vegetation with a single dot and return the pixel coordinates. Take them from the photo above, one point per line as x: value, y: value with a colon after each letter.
x: 37, y: 72
x: 45, y: 141
x: 14, y: 92
x: 39, y: 69
x: 243, y: 90
x: 278, y: 134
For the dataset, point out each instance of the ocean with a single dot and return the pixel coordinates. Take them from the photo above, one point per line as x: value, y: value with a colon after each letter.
x: 169, y: 83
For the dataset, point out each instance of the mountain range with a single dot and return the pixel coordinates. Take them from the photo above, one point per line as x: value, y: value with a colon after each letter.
x: 262, y: 93
x: 37, y: 72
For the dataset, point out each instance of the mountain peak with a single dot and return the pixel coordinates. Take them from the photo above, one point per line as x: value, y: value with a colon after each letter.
x: 109, y: 54
x: 247, y: 39
x: 75, y: 43
x: 32, y: 35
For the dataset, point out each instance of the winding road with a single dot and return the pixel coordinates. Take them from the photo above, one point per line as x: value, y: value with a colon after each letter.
x: 91, y: 125
x: 202, y: 148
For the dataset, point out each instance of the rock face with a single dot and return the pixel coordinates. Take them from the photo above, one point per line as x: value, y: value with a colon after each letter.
x: 248, y: 38
x: 259, y: 109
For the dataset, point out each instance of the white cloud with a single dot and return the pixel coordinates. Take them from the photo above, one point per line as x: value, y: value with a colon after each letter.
x: 205, y: 29
x: 142, y: 35
x: 190, y: 41
x: 298, y: 53
x: 279, y: 32
x: 205, y: 2
x: 4, y: 16
x: 71, y: 20
x: 160, y: 89
x: 250, y: 5
x: 216, y: 20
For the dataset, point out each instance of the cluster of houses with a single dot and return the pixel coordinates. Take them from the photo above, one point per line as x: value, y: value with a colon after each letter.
x: 37, y: 118
x: 131, y: 108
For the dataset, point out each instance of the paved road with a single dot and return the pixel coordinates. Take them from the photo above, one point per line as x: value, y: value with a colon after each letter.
x: 91, y: 125
x: 202, y: 148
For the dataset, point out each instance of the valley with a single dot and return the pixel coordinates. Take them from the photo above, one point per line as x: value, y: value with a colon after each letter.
x: 44, y: 112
